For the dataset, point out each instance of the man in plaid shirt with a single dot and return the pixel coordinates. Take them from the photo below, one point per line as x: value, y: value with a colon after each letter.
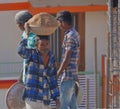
x: 69, y: 65
x: 40, y: 82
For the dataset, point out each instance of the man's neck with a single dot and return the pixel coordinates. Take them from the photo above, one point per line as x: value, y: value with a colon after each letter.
x: 68, y: 27
x: 45, y: 58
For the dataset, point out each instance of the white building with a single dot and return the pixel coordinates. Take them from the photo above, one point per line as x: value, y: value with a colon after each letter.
x: 94, y: 19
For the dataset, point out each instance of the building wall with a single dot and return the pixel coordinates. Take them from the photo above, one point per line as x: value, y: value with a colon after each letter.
x: 96, y: 26
x: 12, y: 1
x: 45, y: 3
x: 95, y: 23
x: 9, y: 37
x: 2, y: 96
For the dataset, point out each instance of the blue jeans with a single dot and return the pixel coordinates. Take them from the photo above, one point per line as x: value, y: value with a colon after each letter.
x: 67, y: 95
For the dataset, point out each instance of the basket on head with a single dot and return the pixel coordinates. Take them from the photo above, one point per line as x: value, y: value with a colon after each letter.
x: 43, y: 24
x: 14, y: 96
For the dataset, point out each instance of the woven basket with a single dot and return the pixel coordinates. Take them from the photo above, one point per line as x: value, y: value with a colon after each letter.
x: 43, y: 24
x: 14, y: 96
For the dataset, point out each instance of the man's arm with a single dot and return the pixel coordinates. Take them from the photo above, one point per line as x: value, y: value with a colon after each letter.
x: 27, y: 29
x: 64, y: 63
x: 20, y: 76
x: 23, y: 51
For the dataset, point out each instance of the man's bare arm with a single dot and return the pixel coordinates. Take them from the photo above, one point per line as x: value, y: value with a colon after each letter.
x: 64, y: 63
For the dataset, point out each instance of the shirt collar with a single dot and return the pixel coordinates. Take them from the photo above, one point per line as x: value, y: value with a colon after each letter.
x: 67, y: 31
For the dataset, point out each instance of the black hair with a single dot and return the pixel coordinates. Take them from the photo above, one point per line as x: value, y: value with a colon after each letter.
x: 22, y: 16
x: 64, y: 16
x: 41, y: 37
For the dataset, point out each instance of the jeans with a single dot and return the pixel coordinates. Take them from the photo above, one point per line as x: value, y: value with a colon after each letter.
x: 67, y: 95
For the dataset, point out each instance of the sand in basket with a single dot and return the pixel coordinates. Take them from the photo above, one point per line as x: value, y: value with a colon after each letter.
x: 43, y: 24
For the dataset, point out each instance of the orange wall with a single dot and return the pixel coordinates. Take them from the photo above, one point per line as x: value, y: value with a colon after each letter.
x: 6, y: 83
x: 27, y: 5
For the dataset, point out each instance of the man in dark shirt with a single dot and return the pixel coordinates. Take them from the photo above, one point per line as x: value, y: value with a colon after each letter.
x: 40, y: 82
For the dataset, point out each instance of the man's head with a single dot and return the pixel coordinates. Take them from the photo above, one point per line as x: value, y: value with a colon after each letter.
x: 64, y: 16
x: 21, y: 18
x: 42, y: 43
x: 64, y: 19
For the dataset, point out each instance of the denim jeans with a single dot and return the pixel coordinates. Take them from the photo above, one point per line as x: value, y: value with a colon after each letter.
x: 67, y: 95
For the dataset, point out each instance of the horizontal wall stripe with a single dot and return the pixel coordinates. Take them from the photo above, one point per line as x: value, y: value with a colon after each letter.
x: 4, y: 84
x: 74, y: 9
x: 14, y: 6
x: 27, y: 5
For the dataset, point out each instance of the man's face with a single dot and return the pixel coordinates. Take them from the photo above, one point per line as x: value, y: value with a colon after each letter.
x: 43, y: 46
x: 61, y: 24
x: 21, y: 26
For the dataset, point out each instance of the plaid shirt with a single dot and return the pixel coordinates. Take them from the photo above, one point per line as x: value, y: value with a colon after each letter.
x: 71, y: 42
x: 40, y: 82
x: 30, y: 44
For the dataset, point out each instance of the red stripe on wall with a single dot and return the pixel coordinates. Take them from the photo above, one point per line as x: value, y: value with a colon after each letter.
x: 14, y: 6
x: 27, y: 5
x: 6, y: 83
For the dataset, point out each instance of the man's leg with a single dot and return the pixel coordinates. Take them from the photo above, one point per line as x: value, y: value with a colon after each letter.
x: 67, y: 89
x: 73, y: 102
x: 46, y: 106
x: 33, y: 105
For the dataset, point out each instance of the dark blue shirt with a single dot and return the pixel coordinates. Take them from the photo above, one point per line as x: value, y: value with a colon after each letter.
x: 40, y: 82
